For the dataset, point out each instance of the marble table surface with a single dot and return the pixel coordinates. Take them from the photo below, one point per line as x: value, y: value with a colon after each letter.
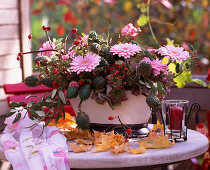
x: 196, y: 145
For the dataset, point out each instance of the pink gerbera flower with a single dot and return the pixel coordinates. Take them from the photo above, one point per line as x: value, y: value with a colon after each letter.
x: 130, y: 30
x: 174, y: 53
x: 125, y: 50
x: 157, y: 66
x: 87, y: 63
x: 47, y: 46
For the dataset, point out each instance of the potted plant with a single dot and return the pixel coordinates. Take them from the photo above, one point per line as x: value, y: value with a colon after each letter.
x: 104, y: 79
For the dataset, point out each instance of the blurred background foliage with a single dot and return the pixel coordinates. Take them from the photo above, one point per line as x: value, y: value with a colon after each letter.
x: 183, y: 21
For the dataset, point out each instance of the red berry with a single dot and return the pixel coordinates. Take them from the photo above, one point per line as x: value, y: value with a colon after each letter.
x: 55, y: 84
x: 115, y: 65
x: 44, y: 28
x: 126, y: 68
x: 18, y: 58
x: 74, y: 30
x: 29, y: 36
x: 200, y: 125
x: 55, y: 70
x: 48, y: 28
x: 20, y: 54
x: 118, y: 86
x: 80, y: 38
x: 114, y: 83
x: 111, y: 75
x: 80, y: 82
x: 76, y: 42
x: 120, y: 77
x: 38, y: 63
x: 119, y: 66
x: 121, y: 87
x: 123, y: 77
x: 129, y: 131
x: 110, y: 118
x: 111, y: 68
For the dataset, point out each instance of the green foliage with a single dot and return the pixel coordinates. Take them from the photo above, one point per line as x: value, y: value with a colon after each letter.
x: 85, y: 92
x: 82, y: 121
x: 145, y: 69
x: 47, y: 82
x: 72, y: 92
x: 99, y: 82
x: 32, y: 81
x: 152, y: 101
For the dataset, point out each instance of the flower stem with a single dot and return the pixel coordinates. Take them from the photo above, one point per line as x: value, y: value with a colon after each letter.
x: 150, y: 27
x: 37, y: 51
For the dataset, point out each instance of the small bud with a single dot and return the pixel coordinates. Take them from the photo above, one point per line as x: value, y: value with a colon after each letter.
x: 110, y: 118
x: 48, y: 28
x: 74, y: 30
x: 20, y: 54
x: 76, y: 42
x: 55, y: 70
x: 55, y: 84
x: 29, y: 36
x: 38, y: 63
x: 111, y: 68
x: 80, y: 82
x: 44, y: 28
x: 129, y: 131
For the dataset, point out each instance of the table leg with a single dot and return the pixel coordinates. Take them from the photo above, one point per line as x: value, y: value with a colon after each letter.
x: 164, y: 167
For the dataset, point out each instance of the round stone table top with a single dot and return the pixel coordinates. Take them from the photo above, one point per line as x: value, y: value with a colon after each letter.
x: 195, y: 145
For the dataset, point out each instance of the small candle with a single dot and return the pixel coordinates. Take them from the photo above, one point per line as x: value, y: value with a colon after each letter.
x: 175, y: 118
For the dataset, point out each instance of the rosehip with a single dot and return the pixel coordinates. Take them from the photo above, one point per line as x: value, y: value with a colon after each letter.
x: 29, y: 36
x: 110, y: 118
x: 48, y: 28
x: 55, y: 84
x: 74, y: 30
x: 44, y: 28
x: 80, y: 82
x: 111, y: 68
x: 76, y: 42
x: 126, y: 140
x: 129, y: 131
x: 55, y: 70
x: 20, y: 54
x: 38, y: 63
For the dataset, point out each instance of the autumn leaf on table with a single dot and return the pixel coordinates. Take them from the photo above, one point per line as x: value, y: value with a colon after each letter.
x: 158, y: 127
x: 155, y: 141
x: 76, y: 148
x: 139, y: 150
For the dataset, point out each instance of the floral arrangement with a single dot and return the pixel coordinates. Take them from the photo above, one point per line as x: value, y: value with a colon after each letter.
x: 102, y: 68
